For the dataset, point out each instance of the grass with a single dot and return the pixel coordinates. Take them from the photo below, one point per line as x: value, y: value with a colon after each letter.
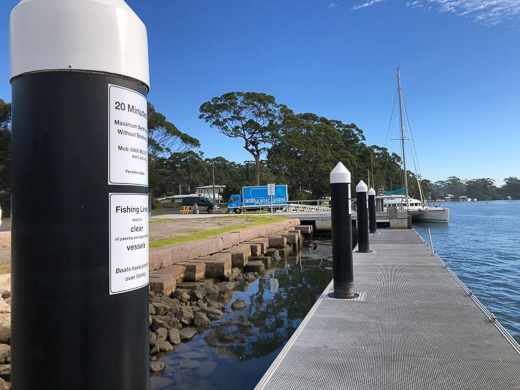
x: 204, y: 234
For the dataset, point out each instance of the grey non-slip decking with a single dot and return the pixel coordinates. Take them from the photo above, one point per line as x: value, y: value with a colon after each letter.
x: 413, y: 327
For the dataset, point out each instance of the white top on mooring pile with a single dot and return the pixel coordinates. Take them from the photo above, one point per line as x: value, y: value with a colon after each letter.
x: 340, y: 174
x: 371, y: 191
x: 361, y: 187
x: 91, y: 35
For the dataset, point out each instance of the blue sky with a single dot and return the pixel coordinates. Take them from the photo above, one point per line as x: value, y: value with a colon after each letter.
x: 460, y: 64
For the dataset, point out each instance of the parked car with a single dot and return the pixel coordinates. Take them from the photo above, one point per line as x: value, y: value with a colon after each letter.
x: 204, y: 203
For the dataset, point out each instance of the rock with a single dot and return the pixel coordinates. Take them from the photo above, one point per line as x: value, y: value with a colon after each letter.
x: 190, y: 364
x: 5, y: 327
x: 242, y: 285
x: 5, y: 353
x: 151, y: 293
x: 239, y: 304
x: 195, y: 355
x: 304, y: 229
x: 196, y: 295
x: 181, y: 295
x: 170, y: 320
x: 162, y: 284
x: 225, y: 286
x: 151, y: 309
x: 264, y: 259
x: 152, y: 337
x: 174, y: 336
x: 274, y: 255
x: 255, y: 266
x: 4, y: 385
x: 206, y: 369
x: 213, y: 314
x: 154, y: 348
x: 5, y: 371
x: 162, y: 383
x: 162, y: 334
x: 211, y: 290
x: 165, y: 346
x: 157, y: 366
x: 251, y: 276
x: 277, y: 242
x: 174, y: 304
x: 217, y: 305
x: 201, y: 319
x: 157, y: 324
x: 187, y: 333
x: 6, y: 294
x: 235, y: 272
x: 194, y: 271
x: 184, y: 316
x: 161, y: 308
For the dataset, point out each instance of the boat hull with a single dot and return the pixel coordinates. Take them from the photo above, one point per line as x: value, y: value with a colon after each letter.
x: 431, y: 214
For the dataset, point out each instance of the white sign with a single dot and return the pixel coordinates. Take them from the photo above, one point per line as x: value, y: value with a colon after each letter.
x: 271, y: 189
x: 349, y: 200
x: 129, y: 252
x: 127, y: 137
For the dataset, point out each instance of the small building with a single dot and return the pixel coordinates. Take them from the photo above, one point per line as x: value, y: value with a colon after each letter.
x: 208, y: 191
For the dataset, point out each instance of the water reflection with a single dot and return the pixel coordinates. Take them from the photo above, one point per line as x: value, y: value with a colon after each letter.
x: 236, y: 351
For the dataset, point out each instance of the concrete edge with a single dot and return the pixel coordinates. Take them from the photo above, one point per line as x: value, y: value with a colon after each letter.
x: 165, y: 257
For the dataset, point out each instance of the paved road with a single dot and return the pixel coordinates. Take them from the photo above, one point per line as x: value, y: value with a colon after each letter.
x: 6, y: 225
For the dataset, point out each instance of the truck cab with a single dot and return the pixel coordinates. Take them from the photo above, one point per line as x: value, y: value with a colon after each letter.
x: 234, y: 204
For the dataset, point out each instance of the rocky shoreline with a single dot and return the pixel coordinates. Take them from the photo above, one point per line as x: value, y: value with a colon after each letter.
x: 177, y: 316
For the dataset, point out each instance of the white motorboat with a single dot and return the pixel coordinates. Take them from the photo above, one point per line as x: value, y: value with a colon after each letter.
x: 420, y: 212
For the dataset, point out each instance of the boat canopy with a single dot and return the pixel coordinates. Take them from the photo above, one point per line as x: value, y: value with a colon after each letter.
x: 400, y: 191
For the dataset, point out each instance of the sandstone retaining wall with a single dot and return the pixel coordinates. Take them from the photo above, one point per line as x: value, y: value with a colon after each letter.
x: 165, y: 257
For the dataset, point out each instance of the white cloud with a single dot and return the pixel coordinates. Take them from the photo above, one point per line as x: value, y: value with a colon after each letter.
x: 367, y: 4
x: 334, y: 6
x: 489, y: 12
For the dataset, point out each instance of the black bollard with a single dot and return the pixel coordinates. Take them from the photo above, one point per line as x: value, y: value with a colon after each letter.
x: 79, y: 73
x: 372, y: 210
x: 362, y: 217
x: 343, y: 268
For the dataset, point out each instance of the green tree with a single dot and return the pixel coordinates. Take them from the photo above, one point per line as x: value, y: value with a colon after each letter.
x: 306, y: 149
x: 251, y: 116
x: 164, y: 138
x: 5, y: 157
x: 482, y: 189
x: 511, y: 188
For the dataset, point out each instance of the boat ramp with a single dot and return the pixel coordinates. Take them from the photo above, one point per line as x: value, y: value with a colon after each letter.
x: 414, y: 325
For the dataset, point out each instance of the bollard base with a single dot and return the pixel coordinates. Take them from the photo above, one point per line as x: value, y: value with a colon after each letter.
x: 345, y: 291
x: 331, y: 295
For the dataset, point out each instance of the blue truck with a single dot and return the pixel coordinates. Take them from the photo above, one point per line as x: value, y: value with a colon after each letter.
x: 270, y: 197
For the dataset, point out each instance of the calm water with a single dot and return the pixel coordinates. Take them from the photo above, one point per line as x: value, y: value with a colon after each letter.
x: 482, y: 246
x: 235, y: 351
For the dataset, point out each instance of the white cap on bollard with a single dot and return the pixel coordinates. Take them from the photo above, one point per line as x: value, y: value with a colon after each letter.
x: 371, y: 191
x: 361, y: 187
x: 83, y: 35
x: 340, y: 174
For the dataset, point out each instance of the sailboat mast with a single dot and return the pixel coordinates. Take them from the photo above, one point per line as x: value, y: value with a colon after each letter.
x: 402, y: 136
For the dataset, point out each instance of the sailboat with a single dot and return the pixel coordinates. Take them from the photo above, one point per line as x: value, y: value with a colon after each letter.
x: 420, y: 211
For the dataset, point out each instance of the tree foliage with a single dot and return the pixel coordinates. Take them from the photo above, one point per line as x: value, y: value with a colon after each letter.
x: 164, y: 138
x: 5, y: 157
x: 250, y: 116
